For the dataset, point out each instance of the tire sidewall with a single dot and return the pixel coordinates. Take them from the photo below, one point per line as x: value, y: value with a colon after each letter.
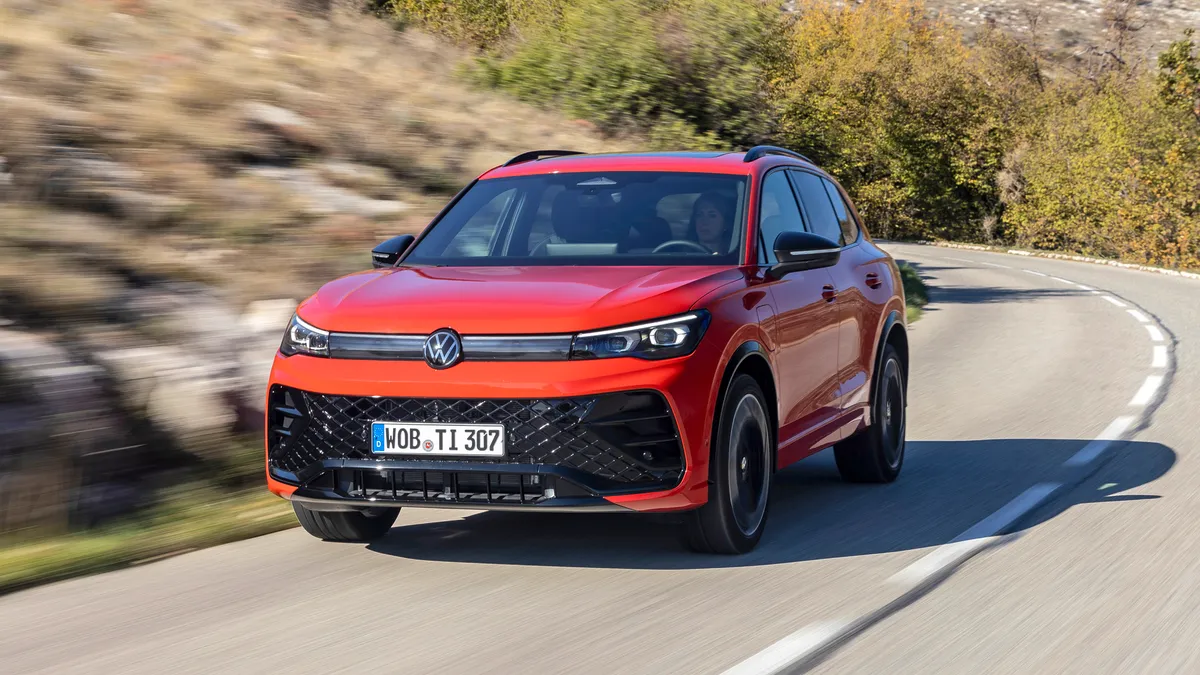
x: 720, y: 501
x: 888, y: 470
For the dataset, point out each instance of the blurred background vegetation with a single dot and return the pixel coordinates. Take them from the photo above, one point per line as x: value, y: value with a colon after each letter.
x: 992, y: 138
x: 175, y: 176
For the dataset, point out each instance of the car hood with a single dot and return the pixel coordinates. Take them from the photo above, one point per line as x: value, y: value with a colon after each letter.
x: 508, y: 300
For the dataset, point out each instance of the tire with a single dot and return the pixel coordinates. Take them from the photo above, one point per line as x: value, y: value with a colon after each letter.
x: 741, y: 469
x: 348, y: 526
x: 876, y: 454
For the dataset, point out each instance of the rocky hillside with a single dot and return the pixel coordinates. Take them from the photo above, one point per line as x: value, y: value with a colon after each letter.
x: 1065, y: 27
x: 174, y: 177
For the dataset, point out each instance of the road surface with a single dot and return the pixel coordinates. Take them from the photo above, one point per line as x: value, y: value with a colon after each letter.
x: 1047, y: 520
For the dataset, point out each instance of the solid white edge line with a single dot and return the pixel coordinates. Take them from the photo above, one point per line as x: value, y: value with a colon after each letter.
x: 976, y: 538
x: 1146, y: 393
x: 1095, y: 448
x: 1160, y: 357
x: 779, y: 656
x: 1138, y: 315
x: 813, y: 638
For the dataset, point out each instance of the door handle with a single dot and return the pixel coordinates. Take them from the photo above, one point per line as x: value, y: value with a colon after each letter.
x: 873, y: 280
x: 828, y: 292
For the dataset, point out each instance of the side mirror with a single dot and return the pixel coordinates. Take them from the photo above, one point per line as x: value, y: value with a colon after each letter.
x: 387, y: 253
x: 799, y: 251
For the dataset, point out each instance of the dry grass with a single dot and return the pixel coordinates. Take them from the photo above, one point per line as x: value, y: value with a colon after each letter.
x: 139, y: 145
x: 192, y: 520
x: 161, y: 87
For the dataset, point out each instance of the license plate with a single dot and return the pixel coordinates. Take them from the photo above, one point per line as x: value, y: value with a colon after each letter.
x: 437, y: 440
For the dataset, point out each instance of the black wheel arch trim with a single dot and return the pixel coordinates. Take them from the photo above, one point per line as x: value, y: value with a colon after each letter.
x: 744, y: 351
x: 891, y: 323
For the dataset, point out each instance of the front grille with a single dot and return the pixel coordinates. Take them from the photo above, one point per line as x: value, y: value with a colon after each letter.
x: 614, y: 441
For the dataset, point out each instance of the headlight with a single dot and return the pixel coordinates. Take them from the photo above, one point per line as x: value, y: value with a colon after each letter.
x: 662, y: 339
x: 302, y: 338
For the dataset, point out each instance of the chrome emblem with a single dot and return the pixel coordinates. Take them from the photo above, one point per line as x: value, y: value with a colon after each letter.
x: 443, y: 349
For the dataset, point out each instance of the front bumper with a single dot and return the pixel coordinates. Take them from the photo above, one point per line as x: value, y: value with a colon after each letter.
x: 617, y: 436
x: 360, y: 484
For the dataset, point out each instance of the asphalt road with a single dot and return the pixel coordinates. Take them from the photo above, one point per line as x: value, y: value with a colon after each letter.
x: 1014, y: 373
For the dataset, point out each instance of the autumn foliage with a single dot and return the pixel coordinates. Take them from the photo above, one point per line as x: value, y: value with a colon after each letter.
x: 935, y: 137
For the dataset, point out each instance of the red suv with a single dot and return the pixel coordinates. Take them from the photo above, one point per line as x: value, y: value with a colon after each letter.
x: 631, y: 332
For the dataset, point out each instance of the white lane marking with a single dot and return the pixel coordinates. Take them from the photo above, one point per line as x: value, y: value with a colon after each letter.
x: 815, y: 638
x: 961, y: 260
x: 1093, y: 449
x: 1160, y: 357
x: 1003, y: 267
x: 976, y: 537
x: 779, y: 656
x: 1146, y: 393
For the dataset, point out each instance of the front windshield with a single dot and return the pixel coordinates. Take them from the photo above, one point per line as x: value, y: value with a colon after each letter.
x: 603, y: 218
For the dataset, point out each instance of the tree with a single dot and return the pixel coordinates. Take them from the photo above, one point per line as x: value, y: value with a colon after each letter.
x: 1179, y: 74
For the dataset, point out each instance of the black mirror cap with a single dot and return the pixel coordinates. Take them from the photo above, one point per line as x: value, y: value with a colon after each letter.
x: 387, y: 253
x: 798, y: 251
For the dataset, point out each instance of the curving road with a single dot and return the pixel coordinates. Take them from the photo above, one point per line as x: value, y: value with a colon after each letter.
x: 1046, y: 521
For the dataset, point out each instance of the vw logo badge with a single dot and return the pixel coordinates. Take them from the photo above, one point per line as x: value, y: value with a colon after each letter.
x: 443, y: 348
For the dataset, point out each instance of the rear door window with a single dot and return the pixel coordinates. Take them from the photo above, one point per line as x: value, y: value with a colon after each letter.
x: 849, y: 227
x: 818, y: 210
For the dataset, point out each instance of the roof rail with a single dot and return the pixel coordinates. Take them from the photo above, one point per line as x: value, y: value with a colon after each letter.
x: 538, y: 154
x: 759, y: 151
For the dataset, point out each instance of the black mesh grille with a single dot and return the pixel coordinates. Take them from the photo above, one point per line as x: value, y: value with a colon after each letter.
x: 624, y: 438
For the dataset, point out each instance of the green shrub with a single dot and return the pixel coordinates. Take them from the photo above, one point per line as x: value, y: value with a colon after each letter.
x: 480, y: 23
x: 1179, y: 74
x: 690, y: 71
x: 916, y: 294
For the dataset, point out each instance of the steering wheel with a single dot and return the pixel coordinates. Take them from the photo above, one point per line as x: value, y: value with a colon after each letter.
x: 682, y: 242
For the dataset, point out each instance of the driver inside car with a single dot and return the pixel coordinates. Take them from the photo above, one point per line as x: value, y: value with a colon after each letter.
x: 711, y: 224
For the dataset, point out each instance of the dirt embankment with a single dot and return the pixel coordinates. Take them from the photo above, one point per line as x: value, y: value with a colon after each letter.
x: 174, y: 176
